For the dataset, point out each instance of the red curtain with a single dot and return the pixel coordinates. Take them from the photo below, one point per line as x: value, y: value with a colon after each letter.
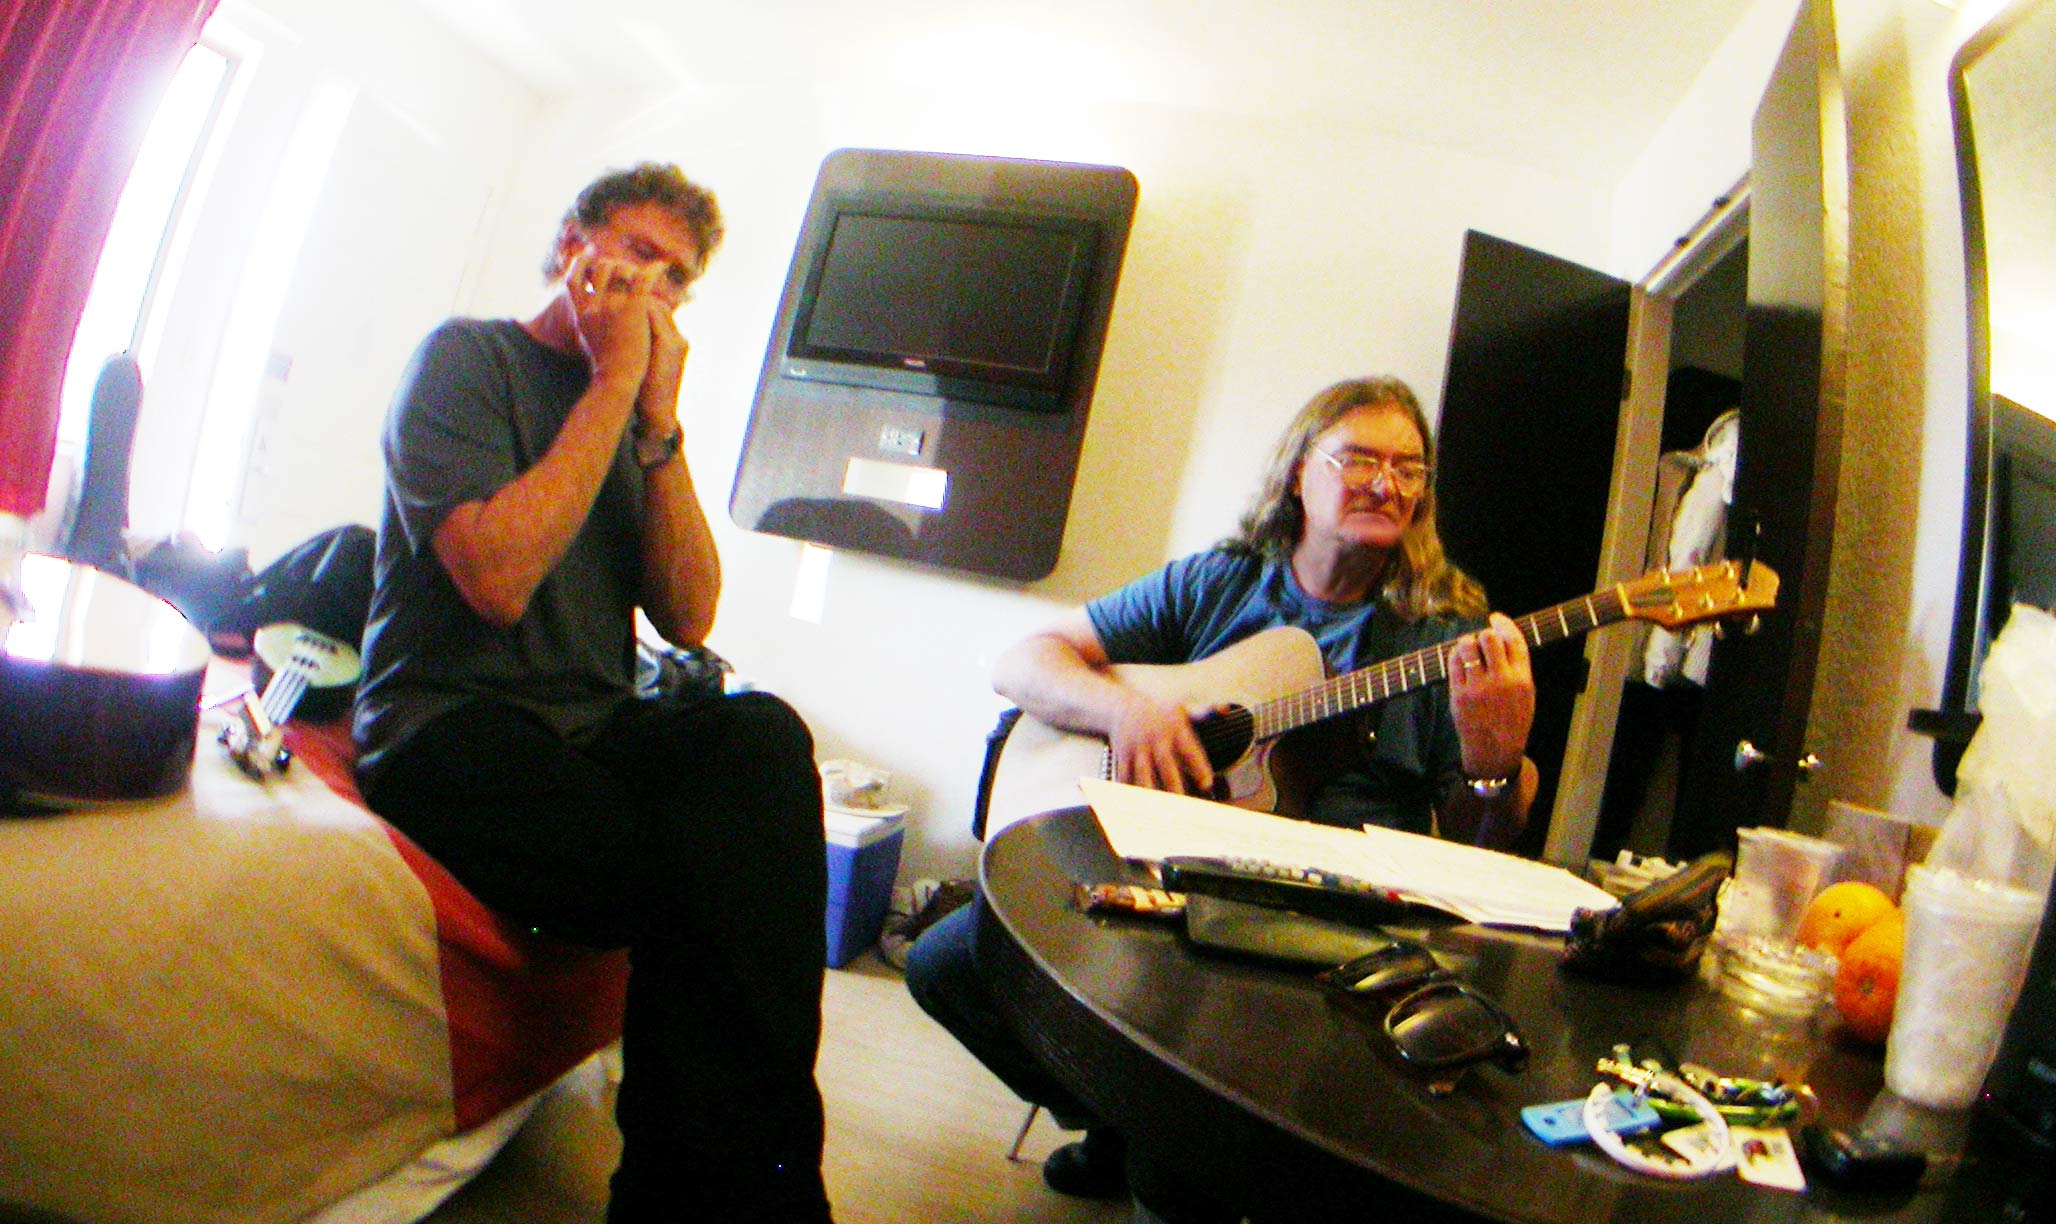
x: 79, y: 82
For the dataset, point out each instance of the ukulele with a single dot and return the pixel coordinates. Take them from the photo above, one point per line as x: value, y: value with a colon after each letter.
x: 291, y: 661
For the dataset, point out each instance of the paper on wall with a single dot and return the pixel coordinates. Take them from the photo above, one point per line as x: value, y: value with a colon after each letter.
x: 1483, y: 886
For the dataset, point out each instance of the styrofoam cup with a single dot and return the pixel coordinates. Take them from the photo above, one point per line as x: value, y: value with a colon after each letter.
x: 1776, y: 874
x: 1967, y: 944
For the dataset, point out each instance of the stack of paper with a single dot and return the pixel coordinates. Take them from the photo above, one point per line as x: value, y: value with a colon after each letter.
x: 1483, y: 886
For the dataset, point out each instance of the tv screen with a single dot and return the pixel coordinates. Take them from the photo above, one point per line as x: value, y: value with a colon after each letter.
x: 953, y: 302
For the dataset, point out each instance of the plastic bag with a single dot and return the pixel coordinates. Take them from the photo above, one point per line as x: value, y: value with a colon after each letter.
x: 2003, y: 823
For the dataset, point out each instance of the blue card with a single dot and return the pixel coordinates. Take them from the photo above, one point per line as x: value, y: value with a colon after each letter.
x: 1564, y: 1121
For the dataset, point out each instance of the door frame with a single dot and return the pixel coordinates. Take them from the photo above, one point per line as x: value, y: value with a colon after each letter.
x: 1588, y: 752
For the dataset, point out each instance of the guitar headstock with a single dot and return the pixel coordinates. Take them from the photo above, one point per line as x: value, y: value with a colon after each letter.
x: 1708, y: 592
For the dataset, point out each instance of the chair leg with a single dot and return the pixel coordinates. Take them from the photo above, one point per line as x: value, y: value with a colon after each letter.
x: 1021, y: 1136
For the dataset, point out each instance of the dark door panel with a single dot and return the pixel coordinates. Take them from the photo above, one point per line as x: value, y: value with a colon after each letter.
x: 1530, y: 409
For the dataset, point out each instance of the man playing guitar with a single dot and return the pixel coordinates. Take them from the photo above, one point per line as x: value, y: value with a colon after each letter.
x: 1340, y: 542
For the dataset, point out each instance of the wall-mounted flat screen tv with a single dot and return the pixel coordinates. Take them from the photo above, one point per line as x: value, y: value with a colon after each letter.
x: 948, y: 300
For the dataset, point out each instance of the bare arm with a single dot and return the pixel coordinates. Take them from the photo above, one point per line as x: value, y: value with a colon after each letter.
x: 1061, y: 676
x: 498, y: 551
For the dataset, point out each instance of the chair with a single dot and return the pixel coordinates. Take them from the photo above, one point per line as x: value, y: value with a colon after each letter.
x: 995, y: 740
x: 97, y: 528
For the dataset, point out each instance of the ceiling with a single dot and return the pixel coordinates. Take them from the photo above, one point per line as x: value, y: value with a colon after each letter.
x: 1579, y: 85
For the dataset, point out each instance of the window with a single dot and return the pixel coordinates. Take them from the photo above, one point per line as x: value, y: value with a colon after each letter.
x: 133, y: 261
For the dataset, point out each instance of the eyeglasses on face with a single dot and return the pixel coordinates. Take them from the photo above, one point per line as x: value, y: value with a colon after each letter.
x: 1360, y: 470
x: 1433, y: 1018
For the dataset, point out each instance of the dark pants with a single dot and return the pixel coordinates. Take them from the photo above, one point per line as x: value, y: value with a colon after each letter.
x: 944, y: 977
x: 690, y: 833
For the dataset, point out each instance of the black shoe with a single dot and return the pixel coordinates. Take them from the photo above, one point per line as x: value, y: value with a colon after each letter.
x: 1094, y: 1167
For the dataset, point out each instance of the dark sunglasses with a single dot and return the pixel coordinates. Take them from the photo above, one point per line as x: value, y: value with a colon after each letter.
x: 1436, y: 1020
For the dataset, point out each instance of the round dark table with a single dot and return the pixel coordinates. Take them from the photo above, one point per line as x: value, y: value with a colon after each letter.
x: 1273, y: 1102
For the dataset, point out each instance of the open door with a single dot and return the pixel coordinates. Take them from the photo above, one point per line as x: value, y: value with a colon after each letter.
x: 1530, y: 409
x: 1529, y: 413
x: 1750, y: 750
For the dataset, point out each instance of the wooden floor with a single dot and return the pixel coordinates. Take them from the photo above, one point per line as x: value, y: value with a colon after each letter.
x: 917, y: 1132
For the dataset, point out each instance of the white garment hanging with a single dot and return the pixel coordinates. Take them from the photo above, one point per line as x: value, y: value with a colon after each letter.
x: 1696, y: 536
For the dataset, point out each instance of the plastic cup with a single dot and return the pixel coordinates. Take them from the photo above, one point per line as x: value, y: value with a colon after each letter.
x: 1776, y: 874
x: 1967, y: 944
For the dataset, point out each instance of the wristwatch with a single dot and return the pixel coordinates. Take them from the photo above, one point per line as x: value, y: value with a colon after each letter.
x: 1487, y: 788
x: 654, y: 453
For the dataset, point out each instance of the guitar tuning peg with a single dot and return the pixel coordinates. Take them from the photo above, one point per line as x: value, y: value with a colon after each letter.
x: 1755, y: 623
x: 1720, y: 630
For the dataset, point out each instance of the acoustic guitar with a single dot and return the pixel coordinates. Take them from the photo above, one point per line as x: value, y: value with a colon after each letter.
x: 99, y: 689
x: 1270, y: 686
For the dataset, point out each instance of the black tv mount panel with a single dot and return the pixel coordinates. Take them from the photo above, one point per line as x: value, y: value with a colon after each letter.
x: 925, y: 391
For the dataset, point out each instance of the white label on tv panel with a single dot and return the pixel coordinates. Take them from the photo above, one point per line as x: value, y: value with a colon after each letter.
x: 900, y: 482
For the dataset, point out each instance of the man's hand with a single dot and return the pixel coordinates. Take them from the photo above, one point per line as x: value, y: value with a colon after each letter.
x: 1492, y: 698
x: 656, y: 405
x: 610, y: 305
x: 1154, y: 745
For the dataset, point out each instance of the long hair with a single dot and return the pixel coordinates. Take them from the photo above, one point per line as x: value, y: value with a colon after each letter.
x: 646, y: 183
x: 1418, y: 579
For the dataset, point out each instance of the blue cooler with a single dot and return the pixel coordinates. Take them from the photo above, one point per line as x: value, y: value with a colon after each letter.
x: 863, y: 862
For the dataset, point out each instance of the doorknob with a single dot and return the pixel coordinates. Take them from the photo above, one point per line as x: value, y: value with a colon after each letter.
x: 1748, y: 756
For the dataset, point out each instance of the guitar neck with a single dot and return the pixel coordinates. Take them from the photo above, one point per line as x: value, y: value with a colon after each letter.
x: 1382, y: 681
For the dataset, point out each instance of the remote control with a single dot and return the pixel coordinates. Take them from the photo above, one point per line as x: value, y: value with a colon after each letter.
x: 1307, y: 890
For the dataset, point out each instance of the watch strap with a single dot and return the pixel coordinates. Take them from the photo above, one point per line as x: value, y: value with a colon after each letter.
x: 1487, y: 788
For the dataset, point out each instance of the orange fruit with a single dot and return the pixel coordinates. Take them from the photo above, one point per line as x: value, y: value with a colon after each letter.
x: 1842, y: 912
x: 1867, y: 984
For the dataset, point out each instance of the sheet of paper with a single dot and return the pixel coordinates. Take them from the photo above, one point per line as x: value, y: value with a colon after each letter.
x: 1483, y: 886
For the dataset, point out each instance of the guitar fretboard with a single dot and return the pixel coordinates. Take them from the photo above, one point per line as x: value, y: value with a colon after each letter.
x: 282, y: 695
x: 1383, y: 681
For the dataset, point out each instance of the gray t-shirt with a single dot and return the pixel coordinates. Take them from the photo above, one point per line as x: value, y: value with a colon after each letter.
x: 1199, y: 605
x: 479, y: 404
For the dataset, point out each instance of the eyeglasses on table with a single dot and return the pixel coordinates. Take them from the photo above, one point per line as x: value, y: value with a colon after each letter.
x: 1434, y: 1019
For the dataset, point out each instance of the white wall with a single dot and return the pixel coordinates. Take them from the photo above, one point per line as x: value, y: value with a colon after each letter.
x: 1898, y: 527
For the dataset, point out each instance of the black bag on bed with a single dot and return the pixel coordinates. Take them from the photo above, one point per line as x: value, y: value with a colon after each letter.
x: 322, y: 584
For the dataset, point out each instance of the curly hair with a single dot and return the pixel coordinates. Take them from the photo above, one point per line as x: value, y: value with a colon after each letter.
x: 646, y: 183
x: 1418, y: 579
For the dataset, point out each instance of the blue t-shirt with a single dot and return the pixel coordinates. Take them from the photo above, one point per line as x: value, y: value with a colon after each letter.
x: 1199, y: 605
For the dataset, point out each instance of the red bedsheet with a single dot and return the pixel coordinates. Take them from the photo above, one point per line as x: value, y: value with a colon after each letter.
x: 522, y: 1009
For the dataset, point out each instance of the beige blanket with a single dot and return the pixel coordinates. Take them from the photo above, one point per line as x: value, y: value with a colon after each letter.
x: 247, y: 1001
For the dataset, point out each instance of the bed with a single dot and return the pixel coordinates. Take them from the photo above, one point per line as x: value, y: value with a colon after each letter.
x: 257, y: 1002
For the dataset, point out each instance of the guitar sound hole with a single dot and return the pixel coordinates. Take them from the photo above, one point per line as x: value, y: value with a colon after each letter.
x: 1226, y: 734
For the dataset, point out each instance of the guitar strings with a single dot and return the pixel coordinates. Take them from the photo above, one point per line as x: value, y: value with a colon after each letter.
x: 282, y: 695
x: 1226, y: 736
x: 1427, y: 666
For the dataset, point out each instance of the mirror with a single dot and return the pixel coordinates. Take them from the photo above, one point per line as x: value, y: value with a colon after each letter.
x: 2004, y: 98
